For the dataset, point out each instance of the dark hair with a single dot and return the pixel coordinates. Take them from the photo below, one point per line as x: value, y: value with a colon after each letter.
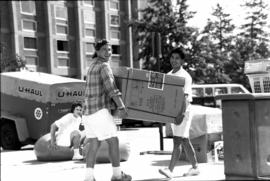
x: 179, y: 51
x: 98, y: 45
x: 74, y: 105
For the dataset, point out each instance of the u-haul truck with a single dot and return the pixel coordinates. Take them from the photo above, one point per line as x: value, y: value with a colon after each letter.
x: 31, y: 101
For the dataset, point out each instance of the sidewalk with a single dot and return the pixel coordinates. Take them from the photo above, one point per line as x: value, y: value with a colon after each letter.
x: 22, y: 165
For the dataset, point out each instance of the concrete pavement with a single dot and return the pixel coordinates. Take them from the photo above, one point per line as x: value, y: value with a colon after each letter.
x: 22, y: 165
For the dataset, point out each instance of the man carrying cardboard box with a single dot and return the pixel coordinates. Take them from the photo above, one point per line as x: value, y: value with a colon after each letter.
x: 100, y: 93
x: 183, y: 121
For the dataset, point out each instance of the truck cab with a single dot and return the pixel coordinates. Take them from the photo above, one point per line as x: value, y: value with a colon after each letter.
x: 204, y: 94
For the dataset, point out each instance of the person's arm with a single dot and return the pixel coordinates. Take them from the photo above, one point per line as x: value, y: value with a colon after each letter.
x: 112, y: 90
x: 122, y: 110
x: 186, y: 101
x: 53, y: 130
x: 179, y: 118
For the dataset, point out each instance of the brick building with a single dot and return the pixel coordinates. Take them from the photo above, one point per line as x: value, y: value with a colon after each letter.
x: 58, y: 36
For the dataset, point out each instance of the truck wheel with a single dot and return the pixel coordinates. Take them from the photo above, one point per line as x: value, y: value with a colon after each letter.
x: 9, y: 137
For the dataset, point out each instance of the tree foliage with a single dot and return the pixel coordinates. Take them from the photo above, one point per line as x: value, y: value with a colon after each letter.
x: 159, y: 18
x: 214, y: 55
x: 253, y: 31
x: 10, y: 62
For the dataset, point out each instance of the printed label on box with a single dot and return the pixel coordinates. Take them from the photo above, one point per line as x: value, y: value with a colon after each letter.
x: 156, y: 80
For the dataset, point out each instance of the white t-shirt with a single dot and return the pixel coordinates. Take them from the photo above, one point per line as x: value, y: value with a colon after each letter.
x: 182, y: 130
x: 188, y: 81
x: 66, y: 125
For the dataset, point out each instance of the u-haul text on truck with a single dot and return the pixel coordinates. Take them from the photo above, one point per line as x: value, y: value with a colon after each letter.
x: 31, y: 101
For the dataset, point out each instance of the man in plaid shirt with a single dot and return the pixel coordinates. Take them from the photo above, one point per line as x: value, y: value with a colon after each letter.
x: 101, y: 96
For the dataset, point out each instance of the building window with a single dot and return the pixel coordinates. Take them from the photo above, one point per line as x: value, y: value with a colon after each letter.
x: 114, y: 4
x: 28, y: 7
x: 63, y: 62
x: 114, y: 20
x: 31, y: 60
x: 115, y: 35
x: 61, y: 13
x: 89, y: 48
x: 30, y: 43
x: 29, y: 25
x: 89, y: 17
x: 88, y: 2
x: 116, y: 49
x: 62, y: 45
x: 90, y: 32
x: 61, y: 29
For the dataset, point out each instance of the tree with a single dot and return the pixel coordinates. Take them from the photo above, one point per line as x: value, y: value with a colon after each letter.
x: 220, y: 29
x: 251, y: 43
x: 160, y: 18
x: 10, y: 62
x: 254, y: 30
x: 212, y: 47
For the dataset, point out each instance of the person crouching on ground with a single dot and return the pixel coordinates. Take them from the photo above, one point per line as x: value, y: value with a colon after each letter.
x: 183, y: 121
x: 100, y: 93
x: 65, y: 131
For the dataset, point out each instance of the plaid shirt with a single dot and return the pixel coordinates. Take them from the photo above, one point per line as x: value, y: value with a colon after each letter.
x: 100, y: 87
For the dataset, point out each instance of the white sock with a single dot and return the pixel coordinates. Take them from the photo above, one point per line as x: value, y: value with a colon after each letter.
x: 89, y: 172
x: 116, y: 172
x: 76, y: 152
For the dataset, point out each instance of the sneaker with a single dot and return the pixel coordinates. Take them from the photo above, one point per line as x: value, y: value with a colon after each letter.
x: 192, y: 172
x: 166, y: 172
x: 77, y: 157
x: 124, y: 177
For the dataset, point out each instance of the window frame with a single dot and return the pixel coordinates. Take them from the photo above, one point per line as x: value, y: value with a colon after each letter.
x: 29, y: 20
x: 31, y: 49
x: 88, y: 28
x: 62, y: 51
x: 32, y: 65
x: 89, y: 22
x: 63, y: 57
x: 89, y: 5
x: 110, y: 18
x: 61, y: 24
x: 89, y: 53
x: 116, y: 1
x: 117, y: 31
x: 27, y: 13
x: 60, y: 18
x: 119, y: 47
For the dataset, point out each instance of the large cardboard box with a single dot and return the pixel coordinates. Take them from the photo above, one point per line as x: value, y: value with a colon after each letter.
x: 150, y: 96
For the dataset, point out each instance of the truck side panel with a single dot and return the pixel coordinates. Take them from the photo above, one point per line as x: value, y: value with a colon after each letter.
x: 36, y: 113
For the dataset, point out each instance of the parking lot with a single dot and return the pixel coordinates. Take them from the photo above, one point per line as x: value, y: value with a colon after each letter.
x: 22, y: 165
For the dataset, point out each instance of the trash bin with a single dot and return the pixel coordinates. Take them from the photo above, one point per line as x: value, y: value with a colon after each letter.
x: 246, y: 133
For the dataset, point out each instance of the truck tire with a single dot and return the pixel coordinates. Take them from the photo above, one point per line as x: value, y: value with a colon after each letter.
x: 9, y: 136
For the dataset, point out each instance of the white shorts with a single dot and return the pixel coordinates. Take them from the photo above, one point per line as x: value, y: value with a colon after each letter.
x: 65, y: 139
x: 100, y: 125
x: 182, y: 130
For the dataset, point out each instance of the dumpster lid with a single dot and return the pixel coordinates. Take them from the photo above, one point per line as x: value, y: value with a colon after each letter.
x: 246, y: 96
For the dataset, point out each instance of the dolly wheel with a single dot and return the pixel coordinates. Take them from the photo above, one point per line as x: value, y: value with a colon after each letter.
x: 9, y: 137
